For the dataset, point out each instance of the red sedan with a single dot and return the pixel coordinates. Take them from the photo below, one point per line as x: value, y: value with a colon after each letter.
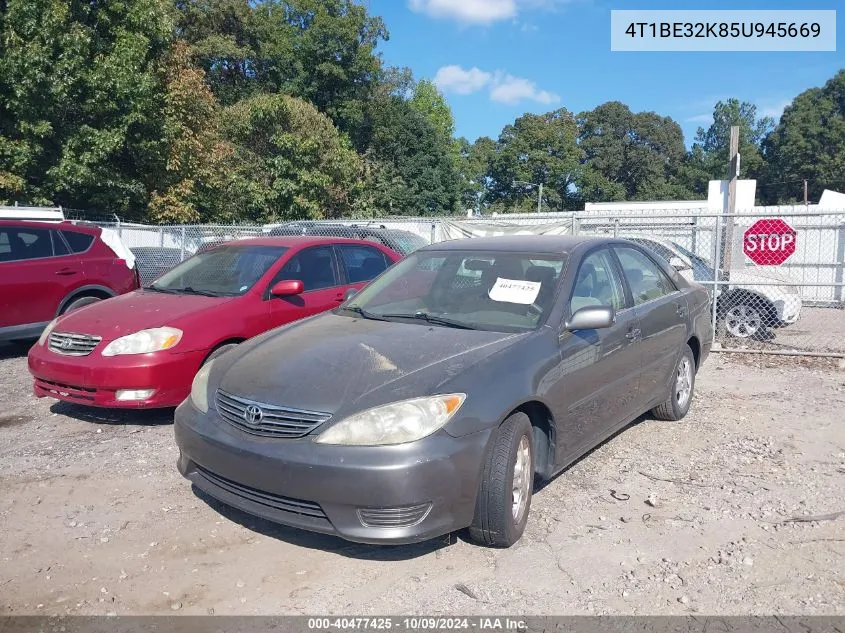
x: 142, y: 349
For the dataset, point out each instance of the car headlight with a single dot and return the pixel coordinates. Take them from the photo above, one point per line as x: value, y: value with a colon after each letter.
x: 143, y: 342
x: 395, y: 423
x: 199, y: 388
x: 46, y: 333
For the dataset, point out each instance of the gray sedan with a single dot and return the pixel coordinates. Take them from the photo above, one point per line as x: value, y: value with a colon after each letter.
x: 435, y: 398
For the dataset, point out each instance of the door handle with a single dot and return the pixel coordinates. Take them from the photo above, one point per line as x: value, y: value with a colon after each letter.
x: 681, y: 310
x: 64, y: 272
x: 633, y: 334
x: 339, y: 297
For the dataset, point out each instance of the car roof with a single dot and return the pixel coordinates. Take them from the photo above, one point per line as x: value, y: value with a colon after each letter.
x: 64, y: 225
x: 293, y: 241
x: 550, y: 244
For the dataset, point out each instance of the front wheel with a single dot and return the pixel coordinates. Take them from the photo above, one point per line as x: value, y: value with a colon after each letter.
x: 507, y: 483
x: 678, y: 404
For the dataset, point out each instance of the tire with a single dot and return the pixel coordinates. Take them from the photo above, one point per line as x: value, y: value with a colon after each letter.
x: 678, y: 404
x: 81, y: 302
x: 747, y: 316
x: 219, y: 352
x: 495, y: 523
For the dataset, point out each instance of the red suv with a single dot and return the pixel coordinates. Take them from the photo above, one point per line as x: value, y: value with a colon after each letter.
x: 50, y: 269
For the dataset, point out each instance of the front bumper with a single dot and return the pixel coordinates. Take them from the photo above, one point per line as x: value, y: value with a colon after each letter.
x: 788, y: 309
x: 326, y: 488
x: 94, y: 380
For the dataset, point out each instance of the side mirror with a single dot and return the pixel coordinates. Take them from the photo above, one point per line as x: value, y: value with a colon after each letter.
x: 678, y: 264
x: 349, y: 294
x: 592, y: 318
x: 287, y: 288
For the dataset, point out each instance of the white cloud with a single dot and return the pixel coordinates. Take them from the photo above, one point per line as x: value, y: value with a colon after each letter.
x: 774, y: 110
x: 700, y: 118
x: 459, y: 81
x: 511, y: 90
x: 504, y: 87
x: 468, y: 11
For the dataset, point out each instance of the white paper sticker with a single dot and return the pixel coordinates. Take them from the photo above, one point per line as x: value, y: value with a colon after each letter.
x: 515, y: 291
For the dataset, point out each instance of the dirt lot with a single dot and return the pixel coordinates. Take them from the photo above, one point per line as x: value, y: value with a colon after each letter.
x: 94, y: 519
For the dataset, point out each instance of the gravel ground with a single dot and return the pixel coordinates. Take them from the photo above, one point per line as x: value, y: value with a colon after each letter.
x: 710, y: 515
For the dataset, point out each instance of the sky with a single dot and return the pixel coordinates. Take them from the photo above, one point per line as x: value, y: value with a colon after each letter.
x: 496, y: 59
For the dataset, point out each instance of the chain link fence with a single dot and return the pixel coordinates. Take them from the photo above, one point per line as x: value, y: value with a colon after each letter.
x: 775, y: 275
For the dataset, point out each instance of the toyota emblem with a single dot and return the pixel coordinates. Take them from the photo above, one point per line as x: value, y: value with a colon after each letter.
x: 65, y: 344
x: 253, y: 414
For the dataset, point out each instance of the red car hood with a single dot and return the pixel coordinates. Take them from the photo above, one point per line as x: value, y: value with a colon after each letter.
x: 135, y: 311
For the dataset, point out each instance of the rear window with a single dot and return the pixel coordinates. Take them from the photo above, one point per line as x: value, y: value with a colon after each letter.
x: 78, y: 242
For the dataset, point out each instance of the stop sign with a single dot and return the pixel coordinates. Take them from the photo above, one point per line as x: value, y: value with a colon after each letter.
x: 769, y: 242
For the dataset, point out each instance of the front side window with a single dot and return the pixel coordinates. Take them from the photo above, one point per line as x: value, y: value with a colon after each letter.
x: 314, y: 267
x: 223, y: 271
x: 597, y: 284
x: 21, y: 244
x: 499, y: 291
x: 646, y: 280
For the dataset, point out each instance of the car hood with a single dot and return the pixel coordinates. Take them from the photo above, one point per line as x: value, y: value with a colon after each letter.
x: 333, y: 363
x: 135, y: 311
x: 752, y: 275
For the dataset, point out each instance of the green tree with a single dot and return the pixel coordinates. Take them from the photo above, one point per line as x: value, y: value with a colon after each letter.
x: 474, y: 162
x: 428, y: 100
x: 808, y: 144
x: 541, y: 149
x: 289, y: 162
x: 629, y: 156
x: 713, y: 144
x: 411, y: 167
x: 80, y: 97
x: 196, y: 154
x: 322, y: 51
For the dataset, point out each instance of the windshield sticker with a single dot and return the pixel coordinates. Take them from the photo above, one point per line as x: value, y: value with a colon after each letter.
x: 515, y: 291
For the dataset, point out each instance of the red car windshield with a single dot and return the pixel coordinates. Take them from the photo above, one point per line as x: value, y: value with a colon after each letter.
x: 225, y: 271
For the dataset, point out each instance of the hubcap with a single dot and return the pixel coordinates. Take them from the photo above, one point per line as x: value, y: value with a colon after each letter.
x: 683, y: 382
x: 522, y: 478
x: 743, y: 321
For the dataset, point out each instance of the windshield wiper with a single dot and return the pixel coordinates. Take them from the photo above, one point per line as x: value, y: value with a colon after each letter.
x: 192, y: 291
x: 364, y: 313
x: 431, y: 318
x: 164, y: 290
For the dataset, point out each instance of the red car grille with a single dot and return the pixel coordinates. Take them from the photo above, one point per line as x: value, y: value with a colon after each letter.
x: 60, y: 390
x: 69, y: 344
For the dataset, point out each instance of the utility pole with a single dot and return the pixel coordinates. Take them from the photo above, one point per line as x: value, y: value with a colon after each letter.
x: 728, y: 244
x: 805, y: 194
x: 540, y: 199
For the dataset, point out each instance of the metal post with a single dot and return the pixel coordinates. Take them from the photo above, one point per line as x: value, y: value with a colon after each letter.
x: 615, y: 228
x: 433, y: 234
x: 727, y: 255
x: 161, y: 236
x: 540, y: 199
x: 182, y: 249
x: 715, y: 295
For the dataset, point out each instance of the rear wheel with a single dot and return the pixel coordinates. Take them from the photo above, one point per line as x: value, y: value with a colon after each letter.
x: 81, y: 302
x: 678, y: 404
x: 507, y: 483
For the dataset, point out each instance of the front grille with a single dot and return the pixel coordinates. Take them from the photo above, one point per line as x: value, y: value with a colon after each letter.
x: 277, y: 502
x: 73, y: 344
x: 397, y: 517
x: 267, y: 420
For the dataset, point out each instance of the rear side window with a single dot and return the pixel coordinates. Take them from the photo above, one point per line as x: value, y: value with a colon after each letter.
x: 79, y: 242
x: 21, y: 244
x: 59, y: 246
x: 645, y: 278
x: 362, y: 263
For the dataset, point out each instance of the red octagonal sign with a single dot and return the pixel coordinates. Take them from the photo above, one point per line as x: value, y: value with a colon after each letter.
x: 769, y: 242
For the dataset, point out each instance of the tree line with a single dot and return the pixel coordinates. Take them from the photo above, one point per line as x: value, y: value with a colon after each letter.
x: 267, y: 110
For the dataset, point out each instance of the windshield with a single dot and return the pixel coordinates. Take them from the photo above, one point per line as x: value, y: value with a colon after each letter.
x: 407, y: 243
x: 506, y: 292
x: 229, y: 270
